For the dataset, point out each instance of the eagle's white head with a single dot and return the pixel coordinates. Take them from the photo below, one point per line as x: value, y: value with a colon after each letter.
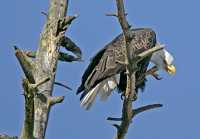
x: 163, y: 60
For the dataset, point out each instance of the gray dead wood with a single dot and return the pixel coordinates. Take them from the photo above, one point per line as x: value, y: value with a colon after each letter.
x: 40, y: 73
x: 131, y: 66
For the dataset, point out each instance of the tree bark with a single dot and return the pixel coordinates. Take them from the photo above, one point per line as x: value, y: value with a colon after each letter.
x: 40, y: 73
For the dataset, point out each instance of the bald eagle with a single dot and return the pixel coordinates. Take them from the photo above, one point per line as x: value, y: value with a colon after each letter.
x: 107, y: 71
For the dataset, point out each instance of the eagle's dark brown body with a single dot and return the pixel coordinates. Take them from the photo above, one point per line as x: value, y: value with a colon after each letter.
x: 108, y: 61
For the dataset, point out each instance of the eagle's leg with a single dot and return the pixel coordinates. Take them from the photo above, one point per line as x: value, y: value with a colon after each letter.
x: 152, y: 71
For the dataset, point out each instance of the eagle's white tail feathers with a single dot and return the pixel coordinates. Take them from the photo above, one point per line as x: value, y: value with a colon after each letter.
x: 90, y: 98
x: 109, y: 85
x: 104, y: 89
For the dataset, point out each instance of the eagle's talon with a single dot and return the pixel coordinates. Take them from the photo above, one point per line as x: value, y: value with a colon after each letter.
x: 157, y: 77
x: 153, y: 73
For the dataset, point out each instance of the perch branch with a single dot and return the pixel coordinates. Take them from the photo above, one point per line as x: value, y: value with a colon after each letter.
x: 131, y: 67
x: 130, y: 88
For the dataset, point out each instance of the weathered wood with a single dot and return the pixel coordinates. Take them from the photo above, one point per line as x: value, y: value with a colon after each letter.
x: 131, y: 66
x: 26, y: 63
x: 40, y: 73
x: 130, y: 88
x: 46, y: 64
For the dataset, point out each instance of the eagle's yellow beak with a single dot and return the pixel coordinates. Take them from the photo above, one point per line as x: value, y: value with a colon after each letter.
x: 171, y: 69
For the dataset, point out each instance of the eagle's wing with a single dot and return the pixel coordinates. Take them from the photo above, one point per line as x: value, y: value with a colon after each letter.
x: 94, y: 61
x: 103, y: 65
x: 109, y: 62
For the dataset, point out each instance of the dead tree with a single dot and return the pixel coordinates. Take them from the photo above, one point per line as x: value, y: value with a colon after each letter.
x: 128, y: 112
x: 40, y: 70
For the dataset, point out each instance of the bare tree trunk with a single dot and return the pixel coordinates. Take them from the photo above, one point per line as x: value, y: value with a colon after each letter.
x: 40, y: 73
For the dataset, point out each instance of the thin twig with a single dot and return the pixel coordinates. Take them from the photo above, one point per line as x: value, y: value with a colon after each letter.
x: 114, y: 119
x: 114, y: 14
x: 44, y: 13
x: 62, y: 85
x: 146, y: 108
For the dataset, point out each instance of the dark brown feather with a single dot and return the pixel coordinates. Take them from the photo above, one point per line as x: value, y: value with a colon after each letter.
x: 108, y: 61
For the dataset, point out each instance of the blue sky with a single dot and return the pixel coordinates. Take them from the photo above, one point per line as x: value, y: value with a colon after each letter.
x: 176, y: 24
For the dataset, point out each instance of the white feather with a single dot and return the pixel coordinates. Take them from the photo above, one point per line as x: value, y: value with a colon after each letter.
x: 160, y: 57
x: 108, y: 86
x: 90, y: 98
x: 104, y: 89
x: 168, y: 57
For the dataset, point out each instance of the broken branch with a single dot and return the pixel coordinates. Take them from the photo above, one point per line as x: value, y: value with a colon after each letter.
x: 55, y: 100
x: 26, y: 64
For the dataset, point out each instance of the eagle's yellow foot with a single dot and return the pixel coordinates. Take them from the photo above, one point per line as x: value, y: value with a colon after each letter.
x: 153, y: 73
